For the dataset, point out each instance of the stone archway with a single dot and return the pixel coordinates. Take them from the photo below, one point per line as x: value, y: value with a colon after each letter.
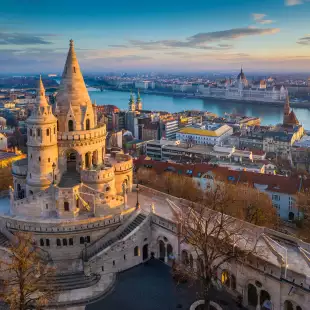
x: 145, y: 252
x: 252, y: 295
x: 184, y: 257
x: 71, y: 157
x: 162, y: 250
x: 170, y: 252
x: 288, y: 305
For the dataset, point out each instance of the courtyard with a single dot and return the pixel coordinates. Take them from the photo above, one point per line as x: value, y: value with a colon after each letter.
x: 150, y: 287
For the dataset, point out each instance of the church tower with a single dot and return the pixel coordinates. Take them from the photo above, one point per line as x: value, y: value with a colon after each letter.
x: 286, y: 110
x: 131, y: 104
x: 42, y: 145
x: 138, y: 102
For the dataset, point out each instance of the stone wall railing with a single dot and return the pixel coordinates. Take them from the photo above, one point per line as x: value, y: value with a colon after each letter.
x: 93, y: 247
x: 61, y: 227
x: 82, y: 135
x: 163, y: 222
x: 20, y: 167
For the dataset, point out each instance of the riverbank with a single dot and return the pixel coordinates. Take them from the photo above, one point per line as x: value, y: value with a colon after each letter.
x: 305, y: 105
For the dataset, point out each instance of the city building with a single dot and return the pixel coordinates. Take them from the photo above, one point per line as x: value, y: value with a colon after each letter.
x: 242, y: 90
x: 168, y: 128
x: 210, y: 134
x: 77, y: 202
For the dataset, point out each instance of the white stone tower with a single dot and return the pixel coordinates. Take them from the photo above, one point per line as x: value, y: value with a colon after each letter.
x: 42, y: 145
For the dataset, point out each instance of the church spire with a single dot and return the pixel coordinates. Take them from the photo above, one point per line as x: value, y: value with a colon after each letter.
x: 139, y: 101
x: 131, y: 103
x: 40, y: 98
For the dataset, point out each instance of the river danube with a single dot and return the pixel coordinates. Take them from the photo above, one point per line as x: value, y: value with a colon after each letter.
x: 269, y: 115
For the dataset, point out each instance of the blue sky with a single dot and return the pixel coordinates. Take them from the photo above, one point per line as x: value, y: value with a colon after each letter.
x: 263, y: 35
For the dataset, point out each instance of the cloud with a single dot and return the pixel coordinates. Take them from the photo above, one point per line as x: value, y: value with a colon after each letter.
x: 305, y: 40
x: 294, y: 2
x: 118, y: 45
x: 204, y: 39
x: 260, y: 19
x: 16, y: 38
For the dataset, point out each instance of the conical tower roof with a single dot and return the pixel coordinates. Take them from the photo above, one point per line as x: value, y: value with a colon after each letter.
x: 72, y: 89
x: 40, y: 98
x: 138, y: 97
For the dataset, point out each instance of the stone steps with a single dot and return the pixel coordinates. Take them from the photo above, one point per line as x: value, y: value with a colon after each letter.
x: 63, y: 282
x: 4, y: 241
x: 135, y: 223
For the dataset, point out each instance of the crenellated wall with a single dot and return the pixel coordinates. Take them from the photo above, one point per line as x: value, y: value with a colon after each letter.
x: 123, y: 169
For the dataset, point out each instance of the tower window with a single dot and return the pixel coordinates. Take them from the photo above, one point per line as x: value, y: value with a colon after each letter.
x: 87, y: 124
x: 70, y: 125
x: 64, y: 241
x: 49, y: 160
x: 41, y: 242
x: 74, y: 70
x: 71, y: 241
x: 54, y: 130
x: 38, y: 132
x: 39, y: 158
x: 58, y: 242
x: 47, y: 242
x: 81, y: 240
x: 47, y: 132
x: 66, y: 206
x: 57, y: 126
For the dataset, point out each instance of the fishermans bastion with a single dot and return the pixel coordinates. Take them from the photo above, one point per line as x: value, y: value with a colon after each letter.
x: 80, y: 204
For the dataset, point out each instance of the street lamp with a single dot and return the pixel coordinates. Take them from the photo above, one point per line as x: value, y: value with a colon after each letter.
x: 53, y: 167
x: 137, y: 190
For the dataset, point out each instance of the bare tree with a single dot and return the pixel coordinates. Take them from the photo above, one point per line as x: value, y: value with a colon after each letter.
x: 27, y: 274
x: 303, y: 221
x: 215, y: 239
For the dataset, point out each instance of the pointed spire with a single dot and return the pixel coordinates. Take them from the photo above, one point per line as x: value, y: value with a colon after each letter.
x: 40, y: 98
x: 72, y: 87
x: 138, y: 97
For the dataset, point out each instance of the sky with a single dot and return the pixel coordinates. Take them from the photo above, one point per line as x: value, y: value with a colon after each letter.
x: 160, y: 35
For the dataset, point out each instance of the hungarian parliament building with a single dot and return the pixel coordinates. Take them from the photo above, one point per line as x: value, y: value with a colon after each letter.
x: 242, y: 90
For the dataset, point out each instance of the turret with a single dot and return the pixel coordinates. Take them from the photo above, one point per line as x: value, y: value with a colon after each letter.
x: 138, y: 102
x: 42, y: 145
x: 74, y: 107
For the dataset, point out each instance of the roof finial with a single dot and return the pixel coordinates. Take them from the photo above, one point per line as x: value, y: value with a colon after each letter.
x: 71, y: 43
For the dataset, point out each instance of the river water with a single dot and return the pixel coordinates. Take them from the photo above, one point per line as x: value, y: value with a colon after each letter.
x: 269, y: 115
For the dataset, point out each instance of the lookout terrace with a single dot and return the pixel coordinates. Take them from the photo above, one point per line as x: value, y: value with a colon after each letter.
x: 85, y: 214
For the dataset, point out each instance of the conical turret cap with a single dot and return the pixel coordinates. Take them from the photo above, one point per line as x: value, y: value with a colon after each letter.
x: 72, y: 88
x: 40, y: 98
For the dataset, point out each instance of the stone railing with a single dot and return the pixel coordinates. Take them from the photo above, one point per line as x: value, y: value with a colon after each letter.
x: 61, y: 226
x: 98, y: 175
x: 92, y: 249
x: 20, y: 167
x: 163, y: 222
x: 82, y: 135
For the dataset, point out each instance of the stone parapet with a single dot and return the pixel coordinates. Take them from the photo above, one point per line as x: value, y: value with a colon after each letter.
x: 20, y: 167
x: 82, y: 135
x: 101, y: 174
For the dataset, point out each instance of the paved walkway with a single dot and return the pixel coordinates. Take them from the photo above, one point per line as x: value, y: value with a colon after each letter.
x: 151, y: 287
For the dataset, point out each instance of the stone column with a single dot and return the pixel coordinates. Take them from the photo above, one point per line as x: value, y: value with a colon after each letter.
x: 258, y: 307
x: 166, y: 257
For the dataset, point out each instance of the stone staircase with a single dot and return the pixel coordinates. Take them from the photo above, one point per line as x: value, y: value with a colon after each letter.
x: 121, y: 235
x: 70, y: 281
x: 4, y: 241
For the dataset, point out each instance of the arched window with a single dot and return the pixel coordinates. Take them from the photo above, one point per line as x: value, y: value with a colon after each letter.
x: 47, y: 242
x: 88, y: 239
x: 87, y: 124
x: 74, y: 70
x: 136, y: 251
x: 81, y: 240
x: 71, y: 241
x: 64, y: 241
x: 47, y: 132
x: 54, y: 130
x: 39, y: 158
x: 41, y: 242
x: 114, y: 263
x: 57, y: 126
x: 70, y: 125
x: 66, y: 206
x: 225, y: 278
x: 38, y: 132
x: 58, y: 242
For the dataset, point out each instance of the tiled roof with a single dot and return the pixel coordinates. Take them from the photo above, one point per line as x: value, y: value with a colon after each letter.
x: 275, y: 183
